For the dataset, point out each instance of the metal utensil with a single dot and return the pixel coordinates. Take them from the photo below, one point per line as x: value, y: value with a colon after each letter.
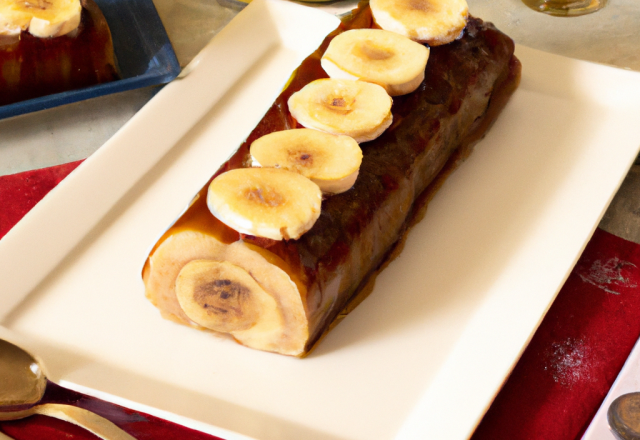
x: 22, y: 386
x: 624, y: 416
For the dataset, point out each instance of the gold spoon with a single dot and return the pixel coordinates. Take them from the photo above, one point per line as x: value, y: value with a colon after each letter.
x: 22, y: 386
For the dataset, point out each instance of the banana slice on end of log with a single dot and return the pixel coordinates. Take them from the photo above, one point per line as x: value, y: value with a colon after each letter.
x: 354, y: 108
x: 221, y: 296
x: 42, y: 18
x: 377, y: 56
x: 236, y: 289
x: 330, y: 161
x: 265, y: 202
x: 434, y: 22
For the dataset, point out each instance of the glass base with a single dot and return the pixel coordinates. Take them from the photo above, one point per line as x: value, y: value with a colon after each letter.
x: 565, y: 8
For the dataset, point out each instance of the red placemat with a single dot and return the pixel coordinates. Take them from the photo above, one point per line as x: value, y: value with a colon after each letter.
x: 20, y: 192
x: 554, y: 390
x: 577, y: 352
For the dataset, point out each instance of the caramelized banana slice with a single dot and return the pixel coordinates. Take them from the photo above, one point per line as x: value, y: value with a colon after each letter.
x: 330, y: 161
x: 43, y: 18
x: 434, y: 22
x: 265, y: 202
x: 340, y: 106
x: 223, y: 297
x: 377, y: 56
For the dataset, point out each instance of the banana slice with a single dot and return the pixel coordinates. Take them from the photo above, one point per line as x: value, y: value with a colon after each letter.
x: 237, y: 289
x: 223, y: 297
x: 265, y: 202
x: 354, y: 108
x: 43, y: 18
x: 377, y: 56
x: 434, y: 22
x: 330, y: 161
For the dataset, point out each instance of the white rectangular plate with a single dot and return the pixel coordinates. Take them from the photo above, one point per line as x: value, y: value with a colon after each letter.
x: 423, y: 356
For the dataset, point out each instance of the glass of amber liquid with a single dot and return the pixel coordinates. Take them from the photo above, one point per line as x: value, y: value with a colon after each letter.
x: 565, y: 8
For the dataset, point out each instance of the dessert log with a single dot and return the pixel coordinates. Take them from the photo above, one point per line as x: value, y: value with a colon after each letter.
x: 284, y: 295
x: 75, y: 52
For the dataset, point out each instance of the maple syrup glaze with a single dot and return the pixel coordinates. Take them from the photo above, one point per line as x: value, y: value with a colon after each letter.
x: 31, y: 67
x: 467, y: 83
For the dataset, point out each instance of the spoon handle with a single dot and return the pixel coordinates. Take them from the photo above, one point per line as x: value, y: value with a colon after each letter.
x: 92, y: 422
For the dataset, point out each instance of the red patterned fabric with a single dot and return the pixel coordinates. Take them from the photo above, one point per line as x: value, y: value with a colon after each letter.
x: 552, y: 394
x: 20, y: 192
x: 577, y: 352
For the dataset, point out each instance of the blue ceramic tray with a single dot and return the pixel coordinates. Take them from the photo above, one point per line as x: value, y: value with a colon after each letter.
x: 142, y: 48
